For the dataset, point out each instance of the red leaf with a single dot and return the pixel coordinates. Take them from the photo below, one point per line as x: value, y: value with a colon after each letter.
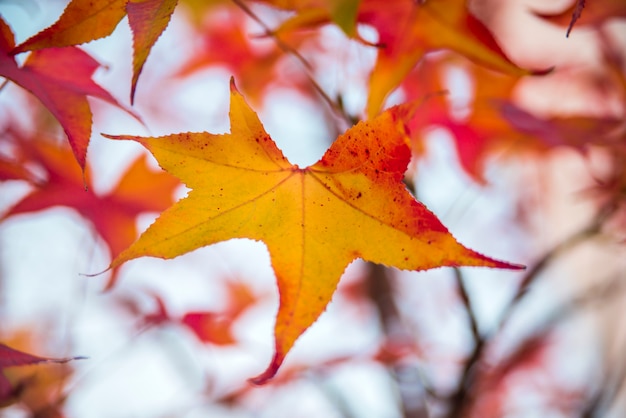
x: 210, y: 327
x: 10, y: 357
x: 113, y: 215
x: 61, y: 79
x: 147, y: 19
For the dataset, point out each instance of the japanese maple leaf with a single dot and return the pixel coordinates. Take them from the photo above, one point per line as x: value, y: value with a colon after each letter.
x: 314, y: 221
x: 113, y: 215
x: 10, y: 357
x: 85, y: 20
x: 61, y: 79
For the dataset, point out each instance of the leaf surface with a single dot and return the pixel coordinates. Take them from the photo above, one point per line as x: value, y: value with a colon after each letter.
x: 82, y: 21
x: 64, y: 93
x: 85, y: 20
x: 314, y: 221
x: 147, y: 19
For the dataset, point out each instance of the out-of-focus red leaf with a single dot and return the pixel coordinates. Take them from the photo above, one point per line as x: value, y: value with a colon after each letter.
x: 113, y: 215
x: 481, y: 130
x: 210, y: 327
x: 61, y: 79
x: 408, y: 30
x: 216, y: 327
x: 494, y: 385
x: 258, y: 64
x: 593, y: 12
x: 10, y: 357
x: 574, y: 131
x: 492, y: 124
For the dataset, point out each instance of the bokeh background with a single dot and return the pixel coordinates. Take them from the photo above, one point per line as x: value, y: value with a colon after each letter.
x: 180, y: 338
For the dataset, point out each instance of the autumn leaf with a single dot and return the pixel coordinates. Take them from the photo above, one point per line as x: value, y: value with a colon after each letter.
x: 147, y: 19
x: 583, y: 12
x: 578, y: 132
x: 408, y: 30
x: 482, y: 131
x: 209, y: 326
x: 315, y: 221
x: 83, y: 21
x: 216, y: 327
x: 343, y: 13
x: 10, y: 357
x: 112, y: 215
x: 45, y: 74
x: 224, y: 41
x: 494, y: 124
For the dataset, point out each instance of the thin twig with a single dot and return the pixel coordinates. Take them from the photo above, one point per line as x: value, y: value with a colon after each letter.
x: 531, y: 275
x: 382, y: 295
x: 336, y: 107
x: 471, y: 316
x: 458, y: 400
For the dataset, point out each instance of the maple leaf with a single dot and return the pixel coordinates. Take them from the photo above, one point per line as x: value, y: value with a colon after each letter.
x: 314, y: 221
x: 10, y: 357
x: 113, y: 215
x: 64, y: 93
x: 85, y: 20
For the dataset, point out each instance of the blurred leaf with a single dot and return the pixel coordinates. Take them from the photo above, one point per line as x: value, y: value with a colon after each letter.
x: 259, y: 64
x: 593, y: 12
x: 10, y: 392
x: 408, y: 30
x: 45, y: 74
x: 113, y: 215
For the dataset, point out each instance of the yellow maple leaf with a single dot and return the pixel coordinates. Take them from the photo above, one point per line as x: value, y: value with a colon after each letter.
x: 315, y: 221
